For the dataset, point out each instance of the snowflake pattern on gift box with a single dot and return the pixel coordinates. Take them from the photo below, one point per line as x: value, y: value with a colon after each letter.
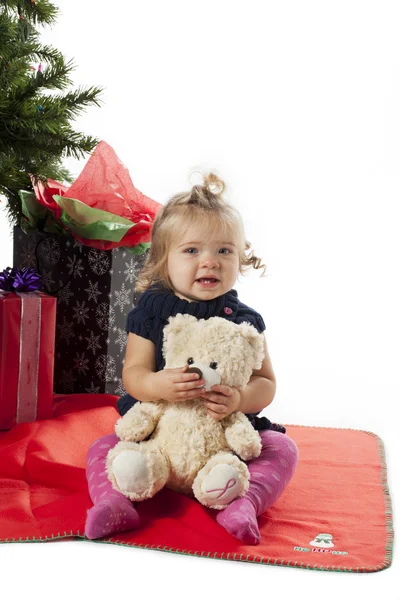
x: 66, y: 331
x: 105, y: 367
x: 78, y: 246
x: 65, y: 294
x: 123, y: 298
x: 28, y: 256
x: 132, y: 270
x: 93, y: 389
x: 99, y: 262
x: 50, y: 251
x: 105, y: 316
x: 93, y: 291
x: 120, y: 388
x: 48, y: 281
x: 75, y: 266
x: 122, y: 338
x: 81, y: 363
x: 93, y: 342
x: 80, y: 312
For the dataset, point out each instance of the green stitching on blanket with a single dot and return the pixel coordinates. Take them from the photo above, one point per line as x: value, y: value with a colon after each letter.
x: 248, y: 558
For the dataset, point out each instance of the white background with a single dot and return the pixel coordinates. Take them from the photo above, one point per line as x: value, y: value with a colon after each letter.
x: 296, y: 106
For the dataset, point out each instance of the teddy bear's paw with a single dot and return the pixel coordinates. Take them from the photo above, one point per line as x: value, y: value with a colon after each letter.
x: 131, y: 473
x: 136, y: 474
x: 248, y: 448
x: 244, y: 440
x: 139, y: 422
x: 133, y: 431
x: 218, y: 483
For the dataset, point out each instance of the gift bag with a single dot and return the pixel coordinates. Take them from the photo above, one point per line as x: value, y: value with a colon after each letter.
x: 95, y: 291
x: 27, y: 332
x: 88, y: 242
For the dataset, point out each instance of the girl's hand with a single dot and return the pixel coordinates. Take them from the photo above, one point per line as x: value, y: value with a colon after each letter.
x: 221, y: 401
x: 175, y: 385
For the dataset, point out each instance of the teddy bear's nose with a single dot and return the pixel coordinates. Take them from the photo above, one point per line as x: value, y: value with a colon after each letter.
x: 195, y: 370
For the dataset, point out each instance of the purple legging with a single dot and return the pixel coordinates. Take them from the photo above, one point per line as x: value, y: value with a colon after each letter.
x: 270, y: 473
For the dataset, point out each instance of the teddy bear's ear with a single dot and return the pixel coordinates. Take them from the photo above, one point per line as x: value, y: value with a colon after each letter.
x: 180, y: 322
x: 176, y: 325
x: 256, y: 342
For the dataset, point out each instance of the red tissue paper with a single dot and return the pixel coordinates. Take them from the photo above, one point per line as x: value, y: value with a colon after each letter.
x: 104, y: 184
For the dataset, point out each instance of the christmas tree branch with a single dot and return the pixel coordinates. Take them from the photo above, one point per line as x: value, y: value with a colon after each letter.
x: 39, y: 11
x: 36, y: 132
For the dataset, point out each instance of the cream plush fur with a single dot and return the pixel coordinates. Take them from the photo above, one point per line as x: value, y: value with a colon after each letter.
x: 188, y: 450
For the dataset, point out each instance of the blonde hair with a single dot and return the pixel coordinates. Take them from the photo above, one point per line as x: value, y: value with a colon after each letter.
x: 205, y: 206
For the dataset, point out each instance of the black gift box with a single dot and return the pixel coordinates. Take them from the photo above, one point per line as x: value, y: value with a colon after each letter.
x: 95, y: 291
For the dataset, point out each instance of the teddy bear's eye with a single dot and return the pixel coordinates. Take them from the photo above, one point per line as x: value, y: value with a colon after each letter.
x: 213, y: 365
x: 190, y: 361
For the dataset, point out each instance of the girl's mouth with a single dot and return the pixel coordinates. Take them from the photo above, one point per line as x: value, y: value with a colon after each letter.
x: 207, y: 282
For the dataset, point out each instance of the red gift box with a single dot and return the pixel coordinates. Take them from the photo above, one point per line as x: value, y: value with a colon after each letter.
x: 27, y: 334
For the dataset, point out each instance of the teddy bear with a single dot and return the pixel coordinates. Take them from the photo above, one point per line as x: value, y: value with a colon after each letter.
x: 179, y: 445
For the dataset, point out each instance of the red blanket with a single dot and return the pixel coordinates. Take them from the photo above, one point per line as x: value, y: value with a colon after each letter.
x: 334, y: 515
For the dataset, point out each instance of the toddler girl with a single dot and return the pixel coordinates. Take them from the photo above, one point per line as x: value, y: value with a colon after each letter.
x: 198, y: 249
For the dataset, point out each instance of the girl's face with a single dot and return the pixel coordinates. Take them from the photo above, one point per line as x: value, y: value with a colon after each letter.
x: 202, y: 267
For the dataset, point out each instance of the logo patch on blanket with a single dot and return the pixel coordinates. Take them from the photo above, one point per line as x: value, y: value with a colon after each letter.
x: 323, y: 543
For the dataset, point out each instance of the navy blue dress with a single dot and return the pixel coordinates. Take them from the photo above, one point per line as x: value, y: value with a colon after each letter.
x: 149, y: 317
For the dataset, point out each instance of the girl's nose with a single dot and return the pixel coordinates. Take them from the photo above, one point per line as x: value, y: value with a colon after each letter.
x: 209, y: 259
x: 210, y: 262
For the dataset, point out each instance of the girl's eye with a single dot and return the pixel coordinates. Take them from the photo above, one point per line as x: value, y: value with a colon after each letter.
x: 188, y: 250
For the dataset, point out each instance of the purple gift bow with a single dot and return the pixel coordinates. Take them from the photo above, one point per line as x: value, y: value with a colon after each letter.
x: 20, y: 280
